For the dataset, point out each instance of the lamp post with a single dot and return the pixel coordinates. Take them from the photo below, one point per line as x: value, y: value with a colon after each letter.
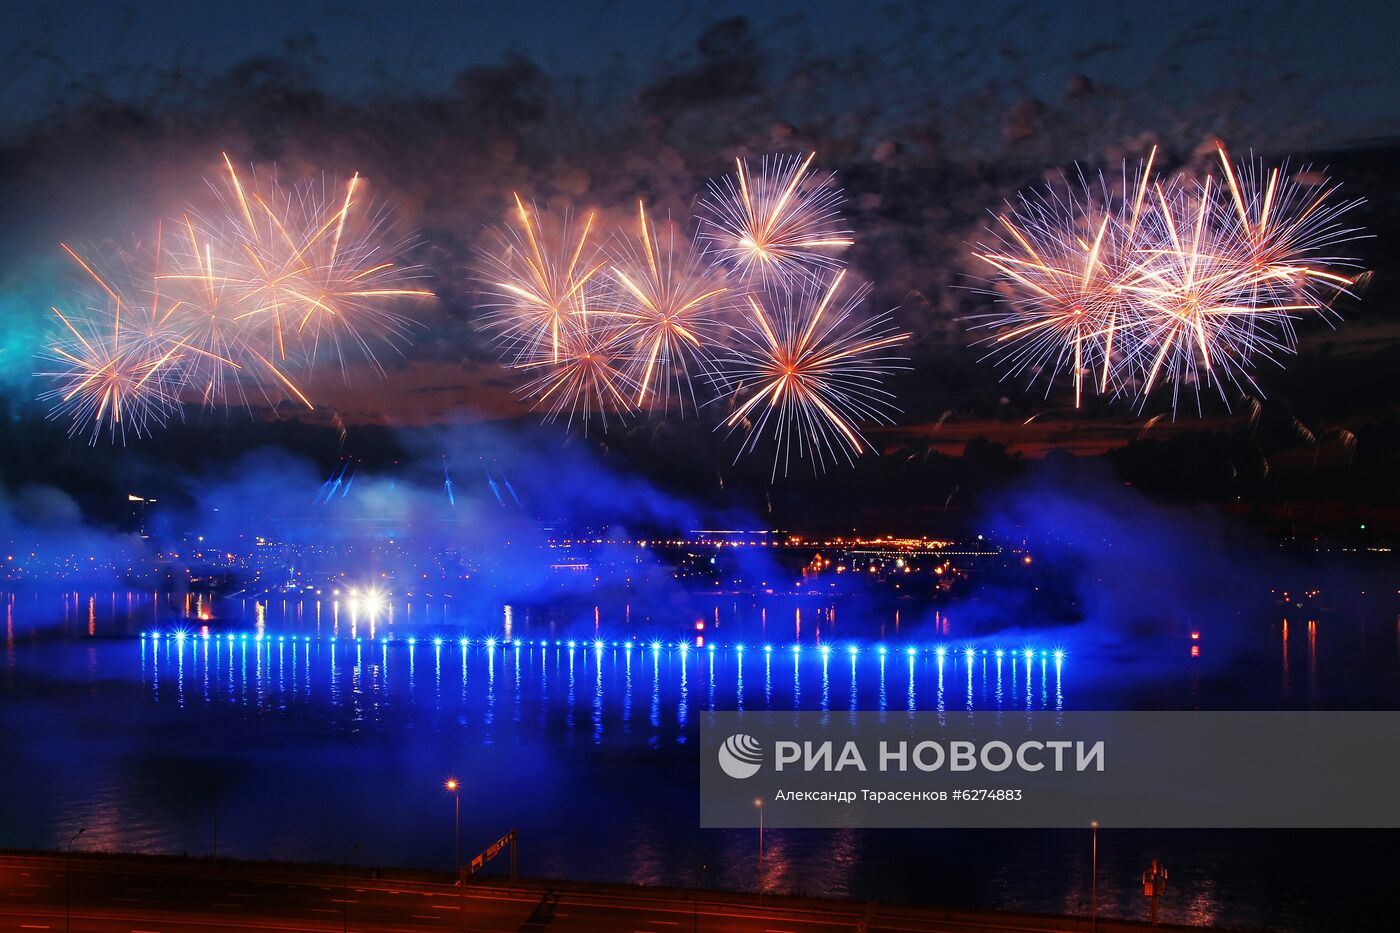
x: 695, y: 902
x: 758, y: 803
x: 345, y: 891
x: 455, y: 788
x: 1094, y: 879
x: 68, y: 881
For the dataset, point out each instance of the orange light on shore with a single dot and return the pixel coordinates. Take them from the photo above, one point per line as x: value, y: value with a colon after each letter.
x: 451, y: 784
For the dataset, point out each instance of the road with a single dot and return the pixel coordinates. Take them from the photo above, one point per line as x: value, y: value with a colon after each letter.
x: 112, y: 894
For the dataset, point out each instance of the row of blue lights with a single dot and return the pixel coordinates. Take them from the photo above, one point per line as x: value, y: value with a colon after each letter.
x: 491, y: 644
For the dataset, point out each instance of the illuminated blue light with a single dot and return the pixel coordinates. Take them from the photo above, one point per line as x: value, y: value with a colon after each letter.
x: 179, y: 636
x: 464, y: 642
x: 739, y: 648
x: 437, y: 642
x: 1059, y: 655
x: 970, y: 653
x: 598, y: 646
x: 412, y: 641
x: 656, y: 646
x: 516, y: 644
x: 1000, y: 653
x: 1029, y: 653
x: 911, y: 651
x: 205, y: 634
x: 571, y: 644
x: 767, y: 649
x: 796, y: 649
x: 491, y: 644
x: 853, y: 650
x: 941, y: 652
x: 713, y: 646
x: 826, y: 650
x: 230, y: 637
x: 882, y: 649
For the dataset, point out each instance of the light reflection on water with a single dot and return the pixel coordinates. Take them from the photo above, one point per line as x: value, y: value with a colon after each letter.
x: 280, y: 673
x: 287, y: 742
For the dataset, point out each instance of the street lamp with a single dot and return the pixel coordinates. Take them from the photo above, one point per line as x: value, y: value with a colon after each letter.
x: 68, y: 881
x: 758, y: 803
x: 345, y: 891
x: 455, y: 788
x: 1094, y: 879
x: 699, y: 876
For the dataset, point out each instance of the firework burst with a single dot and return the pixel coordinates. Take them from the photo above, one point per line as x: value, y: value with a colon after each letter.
x: 776, y: 225
x: 588, y: 378
x: 1189, y: 283
x: 116, y: 365
x: 670, y: 304
x: 538, y: 281
x: 1064, y: 256
x: 1206, y: 314
x: 1287, y: 233
x: 296, y: 274
x: 808, y: 370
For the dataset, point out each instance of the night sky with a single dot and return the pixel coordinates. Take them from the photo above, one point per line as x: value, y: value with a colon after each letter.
x: 114, y: 116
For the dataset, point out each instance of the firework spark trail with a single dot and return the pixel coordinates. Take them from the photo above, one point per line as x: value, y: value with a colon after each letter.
x: 1065, y: 255
x: 671, y: 306
x: 542, y: 273
x: 808, y: 370
x: 778, y: 225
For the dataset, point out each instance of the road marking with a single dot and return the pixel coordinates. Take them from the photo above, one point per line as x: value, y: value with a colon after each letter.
x: 324, y: 910
x: 33, y: 926
x: 426, y: 917
x: 666, y: 923
x: 443, y: 907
